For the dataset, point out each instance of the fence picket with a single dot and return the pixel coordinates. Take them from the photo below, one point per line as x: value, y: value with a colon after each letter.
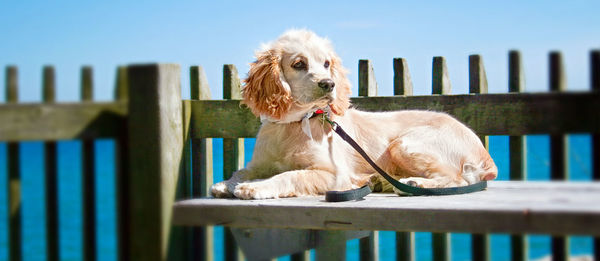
x: 440, y: 85
x: 480, y: 243
x: 367, y: 85
x: 202, y: 167
x: 52, y: 237
x: 517, y: 149
x: 88, y: 176
x: 369, y: 246
x: 559, y: 168
x: 14, y: 174
x: 595, y: 86
x: 405, y: 241
x: 233, y: 152
x: 121, y: 94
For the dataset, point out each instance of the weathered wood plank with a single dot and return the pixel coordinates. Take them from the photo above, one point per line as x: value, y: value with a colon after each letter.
x: 405, y: 240
x: 440, y: 79
x: 480, y: 243
x: 233, y: 152
x: 88, y: 203
x: 440, y: 85
x: 505, y: 207
x: 61, y: 121
x: 122, y: 169
x: 202, y: 163
x: 477, y: 78
x: 517, y: 144
x: 14, y: 173
x: 517, y: 150
x: 202, y: 167
x: 368, y: 246
x: 155, y: 115
x: 489, y: 114
x: 504, y: 114
x: 402, y: 82
x: 595, y: 86
x: 51, y: 173
x: 121, y: 83
x: 221, y: 118
x: 367, y: 85
x: 559, y: 144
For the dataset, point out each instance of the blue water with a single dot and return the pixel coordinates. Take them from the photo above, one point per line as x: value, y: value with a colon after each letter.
x: 69, y: 166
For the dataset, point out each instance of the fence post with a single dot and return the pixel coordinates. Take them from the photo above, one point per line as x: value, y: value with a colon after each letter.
x: 14, y: 174
x: 405, y: 241
x: 559, y: 145
x: 440, y: 85
x: 156, y: 144
x: 202, y: 168
x: 595, y: 84
x: 480, y: 243
x: 89, y: 173
x: 369, y: 246
x: 52, y: 237
x: 233, y: 152
x: 517, y: 150
x: 121, y: 94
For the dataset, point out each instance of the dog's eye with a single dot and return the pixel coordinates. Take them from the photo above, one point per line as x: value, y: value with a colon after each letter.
x: 299, y: 65
x: 326, y: 64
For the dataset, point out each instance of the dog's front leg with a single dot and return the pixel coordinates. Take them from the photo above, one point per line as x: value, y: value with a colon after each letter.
x: 287, y: 184
x: 224, y: 189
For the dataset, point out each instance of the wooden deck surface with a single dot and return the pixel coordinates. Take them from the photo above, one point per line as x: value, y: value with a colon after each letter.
x: 505, y: 207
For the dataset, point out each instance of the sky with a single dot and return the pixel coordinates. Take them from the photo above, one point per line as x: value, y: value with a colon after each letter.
x: 105, y: 34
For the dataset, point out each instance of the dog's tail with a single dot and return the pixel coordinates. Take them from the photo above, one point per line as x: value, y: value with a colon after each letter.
x: 483, y: 170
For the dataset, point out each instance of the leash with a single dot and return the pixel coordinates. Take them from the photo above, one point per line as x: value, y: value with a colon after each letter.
x: 356, y: 194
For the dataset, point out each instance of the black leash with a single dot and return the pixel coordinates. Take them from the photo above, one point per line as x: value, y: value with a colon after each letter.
x: 356, y: 194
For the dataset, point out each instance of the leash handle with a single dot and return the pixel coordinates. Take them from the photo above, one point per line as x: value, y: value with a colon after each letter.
x: 353, y: 194
x: 416, y: 191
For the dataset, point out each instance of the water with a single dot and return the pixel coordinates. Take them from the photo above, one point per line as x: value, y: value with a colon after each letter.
x: 69, y: 166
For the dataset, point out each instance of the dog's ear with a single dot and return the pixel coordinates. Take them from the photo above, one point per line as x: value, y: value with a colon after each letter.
x: 342, y: 86
x: 265, y: 91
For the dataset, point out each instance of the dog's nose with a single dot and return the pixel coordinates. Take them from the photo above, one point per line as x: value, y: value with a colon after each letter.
x: 326, y: 84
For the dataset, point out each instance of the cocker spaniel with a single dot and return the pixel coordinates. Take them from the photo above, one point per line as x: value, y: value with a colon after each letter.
x: 297, y: 155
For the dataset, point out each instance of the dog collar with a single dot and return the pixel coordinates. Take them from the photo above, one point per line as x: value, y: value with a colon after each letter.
x: 304, y: 121
x: 325, y: 112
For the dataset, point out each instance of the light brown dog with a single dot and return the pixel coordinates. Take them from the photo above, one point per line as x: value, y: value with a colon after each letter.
x: 296, y: 155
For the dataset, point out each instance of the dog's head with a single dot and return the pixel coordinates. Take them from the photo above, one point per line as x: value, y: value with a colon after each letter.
x: 295, y: 74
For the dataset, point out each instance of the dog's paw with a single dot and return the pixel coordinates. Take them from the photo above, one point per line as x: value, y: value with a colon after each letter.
x: 254, y: 191
x: 220, y: 190
x: 415, y: 182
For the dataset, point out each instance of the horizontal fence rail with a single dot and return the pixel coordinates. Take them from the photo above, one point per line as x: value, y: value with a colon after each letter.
x: 486, y: 114
x: 61, y: 121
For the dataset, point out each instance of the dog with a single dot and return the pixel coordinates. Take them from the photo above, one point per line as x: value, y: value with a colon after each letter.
x: 297, y: 155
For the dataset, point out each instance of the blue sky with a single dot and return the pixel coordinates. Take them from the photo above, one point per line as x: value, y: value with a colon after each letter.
x: 109, y: 33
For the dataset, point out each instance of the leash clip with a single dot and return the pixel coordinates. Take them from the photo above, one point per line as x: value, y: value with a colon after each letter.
x: 325, y: 115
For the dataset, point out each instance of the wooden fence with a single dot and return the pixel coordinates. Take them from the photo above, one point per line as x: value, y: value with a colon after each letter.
x: 164, y: 147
